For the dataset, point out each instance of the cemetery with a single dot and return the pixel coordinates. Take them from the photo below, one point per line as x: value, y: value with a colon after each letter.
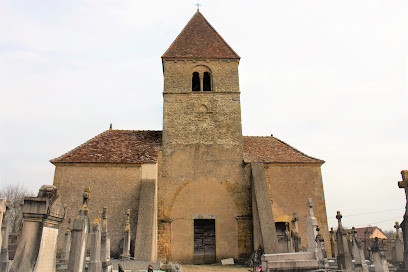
x: 196, y: 196
x: 86, y: 243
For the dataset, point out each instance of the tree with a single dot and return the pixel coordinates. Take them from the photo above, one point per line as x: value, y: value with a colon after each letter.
x: 390, y: 233
x: 15, y: 194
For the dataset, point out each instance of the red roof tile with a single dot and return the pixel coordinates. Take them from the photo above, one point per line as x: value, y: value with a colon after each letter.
x: 199, y: 40
x: 370, y: 229
x: 138, y: 146
x: 116, y: 146
x: 273, y: 150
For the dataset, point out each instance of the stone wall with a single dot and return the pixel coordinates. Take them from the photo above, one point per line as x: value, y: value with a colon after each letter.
x: 178, y: 74
x: 201, y: 170
x: 116, y: 186
x: 290, y: 185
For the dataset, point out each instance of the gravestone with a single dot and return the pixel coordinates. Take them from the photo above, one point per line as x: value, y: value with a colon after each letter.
x: 67, y: 244
x: 378, y: 255
x: 404, y: 223
x: 367, y: 244
x: 398, y: 249
x: 332, y: 243
x: 321, y: 254
x: 311, y: 226
x: 79, y: 236
x: 344, y: 260
x: 126, y: 241
x: 296, y: 239
x: 2, y: 211
x: 358, y: 252
x: 37, y: 247
x: 105, y: 243
x: 5, y: 230
x: 287, y: 237
x: 95, y: 264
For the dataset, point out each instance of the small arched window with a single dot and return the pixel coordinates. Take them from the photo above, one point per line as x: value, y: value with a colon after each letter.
x: 207, y: 82
x: 196, y: 86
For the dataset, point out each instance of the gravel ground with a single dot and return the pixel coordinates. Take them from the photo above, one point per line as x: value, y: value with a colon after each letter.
x: 214, y: 268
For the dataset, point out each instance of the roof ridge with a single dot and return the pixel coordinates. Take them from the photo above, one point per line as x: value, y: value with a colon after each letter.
x: 297, y: 150
x: 78, y: 147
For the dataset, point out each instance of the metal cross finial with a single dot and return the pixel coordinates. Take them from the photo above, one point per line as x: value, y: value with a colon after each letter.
x: 198, y: 6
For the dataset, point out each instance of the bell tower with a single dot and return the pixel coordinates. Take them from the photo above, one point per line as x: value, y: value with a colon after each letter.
x: 202, y: 147
x: 201, y: 89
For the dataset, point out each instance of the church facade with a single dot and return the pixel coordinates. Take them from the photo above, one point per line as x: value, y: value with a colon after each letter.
x: 199, y: 191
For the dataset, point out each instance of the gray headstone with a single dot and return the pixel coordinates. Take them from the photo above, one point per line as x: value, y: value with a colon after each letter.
x: 378, y: 255
x: 358, y: 252
x: 126, y: 242
x: 95, y: 264
x: 311, y: 225
x: 67, y: 244
x: 288, y: 238
x: 5, y: 230
x: 321, y: 254
x: 296, y: 239
x: 105, y: 243
x: 37, y: 247
x: 2, y: 211
x: 79, y: 236
x: 344, y: 260
x: 398, y: 250
x: 332, y: 243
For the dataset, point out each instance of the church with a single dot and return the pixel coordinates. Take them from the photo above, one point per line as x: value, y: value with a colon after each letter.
x: 199, y: 191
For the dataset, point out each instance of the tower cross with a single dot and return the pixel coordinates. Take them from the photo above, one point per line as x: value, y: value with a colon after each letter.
x: 198, y: 6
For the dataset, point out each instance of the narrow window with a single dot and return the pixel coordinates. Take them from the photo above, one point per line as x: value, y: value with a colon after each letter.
x: 207, y: 82
x: 196, y: 82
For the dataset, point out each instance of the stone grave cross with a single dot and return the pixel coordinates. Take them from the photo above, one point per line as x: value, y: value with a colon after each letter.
x: 296, y: 239
x: 126, y: 242
x: 404, y: 184
x: 344, y: 260
x: 397, y: 228
x: 332, y: 241
x: 311, y: 225
x: 397, y: 251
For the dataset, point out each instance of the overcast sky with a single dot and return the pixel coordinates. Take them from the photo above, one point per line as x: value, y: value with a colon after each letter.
x: 328, y: 77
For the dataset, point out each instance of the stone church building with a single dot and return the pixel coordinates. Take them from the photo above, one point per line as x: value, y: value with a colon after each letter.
x: 199, y: 191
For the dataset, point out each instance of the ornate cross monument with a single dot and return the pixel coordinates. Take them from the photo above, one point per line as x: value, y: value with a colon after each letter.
x: 344, y: 260
x: 404, y: 226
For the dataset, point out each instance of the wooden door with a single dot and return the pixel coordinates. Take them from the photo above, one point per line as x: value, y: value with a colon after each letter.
x: 204, y: 241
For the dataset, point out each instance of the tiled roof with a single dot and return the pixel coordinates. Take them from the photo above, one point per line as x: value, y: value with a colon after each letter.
x: 198, y: 40
x: 371, y: 229
x: 139, y: 146
x: 116, y: 146
x: 273, y: 150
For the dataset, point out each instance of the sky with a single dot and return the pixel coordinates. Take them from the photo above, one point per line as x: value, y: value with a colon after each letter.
x: 328, y: 77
